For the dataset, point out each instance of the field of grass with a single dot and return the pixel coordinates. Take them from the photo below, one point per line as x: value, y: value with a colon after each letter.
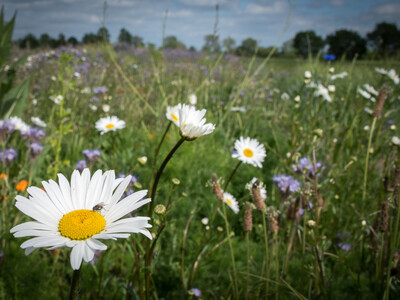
x: 334, y: 236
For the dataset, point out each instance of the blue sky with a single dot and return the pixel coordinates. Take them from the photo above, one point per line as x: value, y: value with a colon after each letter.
x: 191, y: 20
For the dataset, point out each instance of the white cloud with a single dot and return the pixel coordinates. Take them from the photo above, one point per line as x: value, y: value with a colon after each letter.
x: 273, y: 8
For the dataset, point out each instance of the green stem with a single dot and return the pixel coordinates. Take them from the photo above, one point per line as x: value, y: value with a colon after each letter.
x: 230, y: 177
x: 232, y: 253
x: 366, y: 166
x: 266, y: 255
x: 74, y: 291
x: 248, y: 264
x: 158, y: 151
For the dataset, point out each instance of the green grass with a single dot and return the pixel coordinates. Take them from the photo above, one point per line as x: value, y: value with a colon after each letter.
x: 285, y: 127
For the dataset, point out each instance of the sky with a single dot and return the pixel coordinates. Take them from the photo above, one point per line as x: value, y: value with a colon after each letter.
x: 270, y: 22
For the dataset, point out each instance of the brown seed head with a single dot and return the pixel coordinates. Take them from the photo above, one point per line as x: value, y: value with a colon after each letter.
x: 248, y: 218
x: 273, y: 224
x: 381, y: 100
x: 255, y: 192
x: 384, y: 222
x: 216, y: 187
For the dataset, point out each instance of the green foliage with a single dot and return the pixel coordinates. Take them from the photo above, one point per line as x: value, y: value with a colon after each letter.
x: 385, y: 38
x: 346, y: 43
x: 308, y: 42
x: 247, y: 48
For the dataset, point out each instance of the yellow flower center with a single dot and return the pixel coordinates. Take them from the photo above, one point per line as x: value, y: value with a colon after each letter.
x: 174, y: 117
x: 81, y: 224
x: 248, y: 152
x: 109, y: 126
x: 228, y: 201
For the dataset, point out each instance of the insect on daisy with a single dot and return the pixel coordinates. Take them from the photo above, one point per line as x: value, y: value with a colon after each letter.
x: 68, y: 214
x: 109, y: 124
x: 232, y: 203
x: 249, y: 151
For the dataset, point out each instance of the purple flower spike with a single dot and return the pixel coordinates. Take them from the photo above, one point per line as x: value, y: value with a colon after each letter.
x: 196, y: 292
x: 8, y: 156
x: 100, y: 90
x: 287, y: 184
x: 80, y: 165
x: 91, y: 154
x: 34, y: 133
x: 305, y: 166
x: 35, y: 149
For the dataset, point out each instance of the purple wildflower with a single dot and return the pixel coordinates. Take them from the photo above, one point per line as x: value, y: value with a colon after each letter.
x: 344, y: 246
x: 35, y: 149
x: 7, y: 127
x: 196, y: 292
x: 100, y: 90
x: 34, y: 133
x: 305, y: 166
x: 91, y: 154
x: 80, y: 165
x: 286, y: 184
x: 8, y: 155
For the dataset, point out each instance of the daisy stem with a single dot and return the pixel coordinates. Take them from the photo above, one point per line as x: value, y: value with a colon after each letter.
x: 158, y: 150
x: 366, y: 166
x: 233, y: 173
x: 231, y: 250
x: 73, y: 292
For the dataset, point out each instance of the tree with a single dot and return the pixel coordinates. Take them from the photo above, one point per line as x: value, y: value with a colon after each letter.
x: 307, y: 41
x: 46, y: 41
x: 125, y: 36
x: 73, y: 41
x: 61, y: 40
x: 29, y: 42
x: 89, y: 38
x: 211, y: 43
x: 103, y: 34
x: 247, y: 48
x: 385, y: 38
x: 171, y: 42
x: 137, y: 41
x: 229, y: 44
x: 346, y: 42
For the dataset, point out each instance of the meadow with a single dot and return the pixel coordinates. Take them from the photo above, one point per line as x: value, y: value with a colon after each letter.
x: 321, y: 221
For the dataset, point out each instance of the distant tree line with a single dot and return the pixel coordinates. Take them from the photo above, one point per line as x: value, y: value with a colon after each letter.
x: 382, y: 41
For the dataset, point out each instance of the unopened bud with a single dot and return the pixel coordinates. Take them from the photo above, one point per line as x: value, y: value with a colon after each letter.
x: 311, y: 223
x: 176, y: 181
x: 160, y: 209
x: 142, y: 160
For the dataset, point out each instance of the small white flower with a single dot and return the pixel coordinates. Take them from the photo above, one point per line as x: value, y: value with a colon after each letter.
x: 368, y: 110
x: 109, y: 124
x: 34, y: 102
x: 54, y: 78
x: 173, y: 113
x: 38, y: 122
x: 393, y: 127
x: 204, y: 221
x: 106, y: 107
x: 93, y: 107
x: 65, y: 216
x: 191, y: 123
x: 331, y: 88
x: 142, y: 160
x: 238, y: 108
x: 77, y: 74
x: 285, y: 96
x: 396, y: 140
x: 324, y: 92
x: 192, y: 99
x: 366, y: 128
x: 393, y: 75
x: 365, y: 94
x: 86, y: 90
x: 249, y: 151
x: 331, y: 70
x: 307, y: 74
x: 340, y: 75
x: 297, y: 99
x: 57, y: 99
x: 231, y: 201
x: 19, y: 125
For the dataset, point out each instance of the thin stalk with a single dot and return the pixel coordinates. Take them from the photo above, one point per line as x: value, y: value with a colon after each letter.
x: 266, y: 255
x: 248, y: 264
x: 74, y: 291
x: 366, y: 166
x: 321, y: 272
x: 276, y: 252
x: 158, y: 149
x: 185, y: 233
x: 232, y: 253
x: 230, y: 177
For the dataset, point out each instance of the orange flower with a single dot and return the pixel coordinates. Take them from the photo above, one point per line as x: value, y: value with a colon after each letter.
x: 151, y: 136
x: 3, y: 176
x: 22, y: 185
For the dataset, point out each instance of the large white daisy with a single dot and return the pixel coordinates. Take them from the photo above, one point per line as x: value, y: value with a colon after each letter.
x: 249, y: 151
x: 109, y: 124
x: 191, y: 122
x: 77, y: 215
x: 231, y: 201
x: 173, y: 113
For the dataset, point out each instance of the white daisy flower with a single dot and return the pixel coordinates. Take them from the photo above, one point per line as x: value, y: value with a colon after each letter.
x: 19, y: 125
x: 393, y: 75
x: 77, y: 215
x: 231, y: 201
x: 173, y: 113
x: 381, y: 71
x: 57, y: 99
x: 365, y: 94
x: 106, y: 107
x: 340, y: 75
x: 324, y: 92
x: 109, y: 124
x: 191, y: 123
x: 192, y: 99
x: 307, y: 74
x: 285, y: 96
x: 370, y: 89
x: 263, y: 190
x: 38, y: 122
x: 396, y: 141
x: 249, y: 151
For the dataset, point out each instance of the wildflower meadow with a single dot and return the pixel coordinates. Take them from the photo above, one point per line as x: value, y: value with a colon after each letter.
x: 136, y: 173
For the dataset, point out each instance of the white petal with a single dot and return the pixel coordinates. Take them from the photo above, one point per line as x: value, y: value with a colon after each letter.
x: 120, y: 190
x: 94, y: 189
x: 96, y: 245
x: 32, y: 225
x: 77, y: 255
